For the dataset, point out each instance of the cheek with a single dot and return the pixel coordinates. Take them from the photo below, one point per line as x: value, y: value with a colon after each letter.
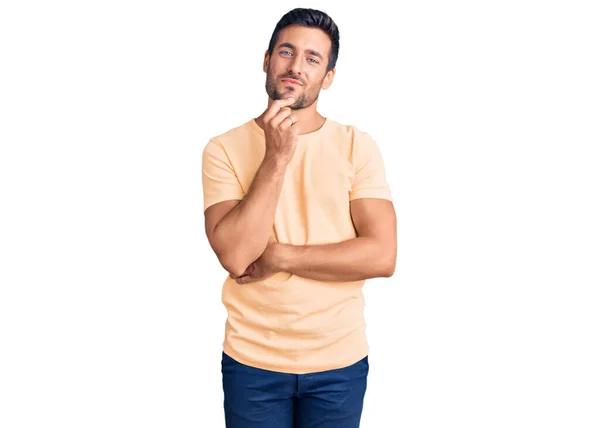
x: 311, y: 89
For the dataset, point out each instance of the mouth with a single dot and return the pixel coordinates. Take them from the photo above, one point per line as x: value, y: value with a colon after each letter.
x: 291, y: 82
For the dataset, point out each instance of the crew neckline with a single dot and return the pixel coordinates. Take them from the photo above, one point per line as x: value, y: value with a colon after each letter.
x: 310, y: 134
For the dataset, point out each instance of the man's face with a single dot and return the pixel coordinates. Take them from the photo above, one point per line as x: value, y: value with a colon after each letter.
x: 301, y: 54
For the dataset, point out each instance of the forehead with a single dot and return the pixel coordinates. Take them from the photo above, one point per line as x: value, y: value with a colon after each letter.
x: 305, y: 38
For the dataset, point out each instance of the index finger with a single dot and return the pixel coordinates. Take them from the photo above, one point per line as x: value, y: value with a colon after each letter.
x: 276, y: 106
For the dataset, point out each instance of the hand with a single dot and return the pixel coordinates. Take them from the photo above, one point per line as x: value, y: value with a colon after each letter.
x: 263, y: 267
x: 281, y: 135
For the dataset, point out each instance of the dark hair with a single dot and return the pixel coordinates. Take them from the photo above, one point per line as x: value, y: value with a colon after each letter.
x: 314, y: 19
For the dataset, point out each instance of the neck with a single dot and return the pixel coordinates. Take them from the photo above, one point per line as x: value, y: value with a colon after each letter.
x: 309, y: 120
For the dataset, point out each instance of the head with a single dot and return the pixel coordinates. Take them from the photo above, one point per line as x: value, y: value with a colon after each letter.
x: 304, y: 47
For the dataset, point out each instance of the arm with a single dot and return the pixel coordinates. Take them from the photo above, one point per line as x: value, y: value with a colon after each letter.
x: 372, y: 254
x: 238, y: 231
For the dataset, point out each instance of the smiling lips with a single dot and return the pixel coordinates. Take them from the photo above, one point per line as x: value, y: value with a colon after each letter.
x: 291, y: 82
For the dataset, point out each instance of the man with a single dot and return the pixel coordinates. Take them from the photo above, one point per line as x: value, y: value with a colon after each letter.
x: 298, y: 211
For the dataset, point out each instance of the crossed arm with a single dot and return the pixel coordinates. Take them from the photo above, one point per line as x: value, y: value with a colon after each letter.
x: 371, y: 254
x: 239, y: 228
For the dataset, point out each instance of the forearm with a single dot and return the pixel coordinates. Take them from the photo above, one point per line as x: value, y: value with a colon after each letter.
x: 352, y: 260
x: 244, y: 232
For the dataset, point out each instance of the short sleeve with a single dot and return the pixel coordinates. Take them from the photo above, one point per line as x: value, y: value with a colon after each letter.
x: 369, y: 170
x: 219, y: 181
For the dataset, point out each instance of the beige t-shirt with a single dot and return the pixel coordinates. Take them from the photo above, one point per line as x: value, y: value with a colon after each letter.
x: 288, y: 323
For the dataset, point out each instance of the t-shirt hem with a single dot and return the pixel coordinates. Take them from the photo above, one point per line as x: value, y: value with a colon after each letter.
x: 292, y: 369
x: 234, y: 196
x: 371, y: 194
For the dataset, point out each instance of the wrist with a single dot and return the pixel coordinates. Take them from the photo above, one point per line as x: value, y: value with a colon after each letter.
x: 282, y: 257
x: 276, y: 163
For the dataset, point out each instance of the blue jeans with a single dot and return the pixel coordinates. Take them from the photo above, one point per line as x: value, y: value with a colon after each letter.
x: 261, y: 398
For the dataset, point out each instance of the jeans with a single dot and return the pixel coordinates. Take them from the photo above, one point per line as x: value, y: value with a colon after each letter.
x: 261, y: 398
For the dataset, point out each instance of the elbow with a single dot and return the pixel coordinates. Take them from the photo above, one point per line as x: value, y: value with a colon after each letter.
x: 234, y: 271
x: 387, y: 271
x: 235, y: 268
x: 387, y: 268
x: 384, y: 257
x: 383, y: 271
x: 236, y: 262
x: 235, y: 256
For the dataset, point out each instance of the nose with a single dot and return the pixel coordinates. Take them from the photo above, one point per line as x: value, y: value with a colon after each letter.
x: 295, y: 66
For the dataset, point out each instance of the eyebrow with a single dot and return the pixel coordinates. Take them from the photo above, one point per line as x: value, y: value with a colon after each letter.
x: 310, y: 51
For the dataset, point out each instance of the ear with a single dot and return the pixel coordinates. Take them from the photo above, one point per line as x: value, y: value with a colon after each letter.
x: 266, y: 61
x: 328, y: 80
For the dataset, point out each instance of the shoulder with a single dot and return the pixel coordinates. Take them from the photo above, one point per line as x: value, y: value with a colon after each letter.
x: 345, y: 129
x: 233, y: 137
x: 349, y: 132
x: 353, y: 137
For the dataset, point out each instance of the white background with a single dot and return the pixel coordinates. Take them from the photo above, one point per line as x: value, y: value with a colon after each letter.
x: 487, y: 114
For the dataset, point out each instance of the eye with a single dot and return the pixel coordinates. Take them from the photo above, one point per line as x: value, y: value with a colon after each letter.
x: 285, y: 52
x: 314, y: 60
